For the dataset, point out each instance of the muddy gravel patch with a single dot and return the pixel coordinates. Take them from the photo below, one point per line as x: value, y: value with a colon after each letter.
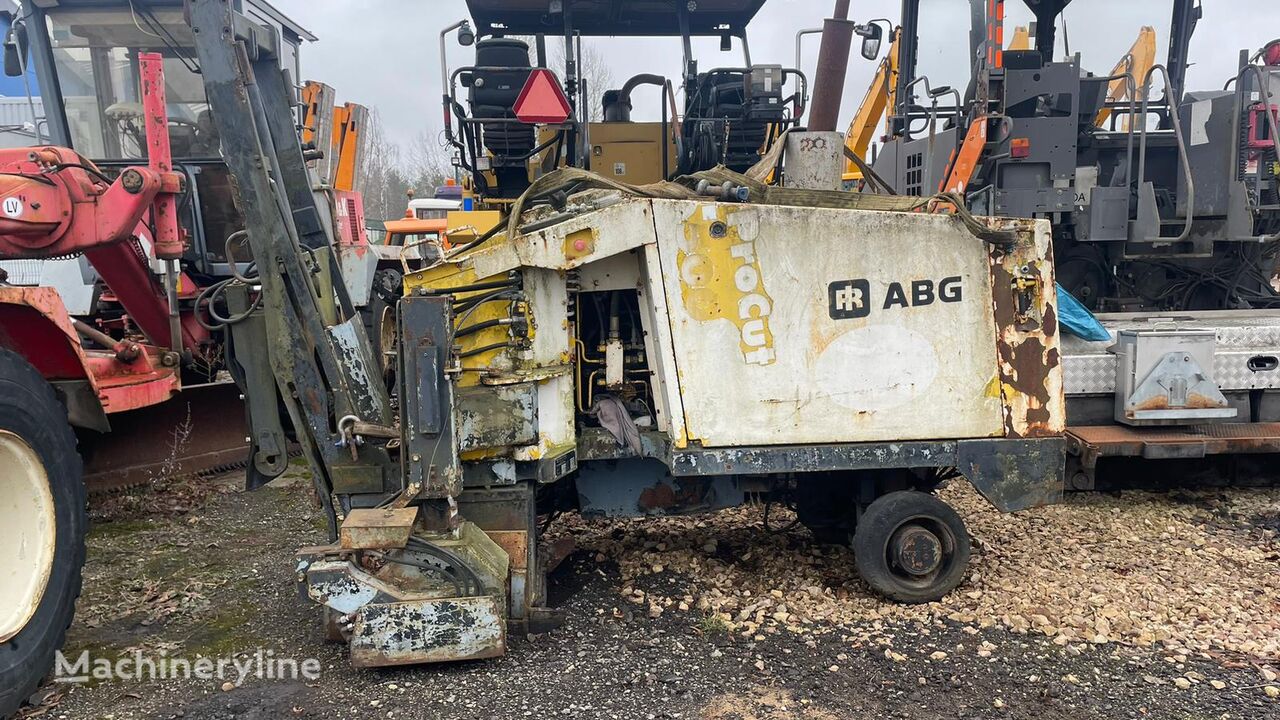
x: 713, y: 617
x: 1182, y: 573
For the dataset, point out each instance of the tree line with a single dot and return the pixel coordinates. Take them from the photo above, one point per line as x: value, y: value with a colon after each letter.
x: 389, y: 171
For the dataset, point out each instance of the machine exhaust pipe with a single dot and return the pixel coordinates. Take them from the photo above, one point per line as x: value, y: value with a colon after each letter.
x: 833, y: 64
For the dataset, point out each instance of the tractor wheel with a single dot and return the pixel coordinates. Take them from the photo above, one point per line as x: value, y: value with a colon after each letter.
x: 42, y: 514
x: 911, y: 547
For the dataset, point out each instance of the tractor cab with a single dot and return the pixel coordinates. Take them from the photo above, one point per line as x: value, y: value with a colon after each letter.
x: 85, y: 56
x: 512, y: 117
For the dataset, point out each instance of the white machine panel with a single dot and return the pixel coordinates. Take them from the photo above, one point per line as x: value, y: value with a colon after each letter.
x: 808, y: 333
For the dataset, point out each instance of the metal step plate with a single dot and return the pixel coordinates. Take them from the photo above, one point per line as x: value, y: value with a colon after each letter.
x: 1247, y: 356
x: 1173, y: 443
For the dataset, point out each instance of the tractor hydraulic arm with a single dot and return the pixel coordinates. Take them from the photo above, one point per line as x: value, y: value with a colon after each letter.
x: 54, y: 202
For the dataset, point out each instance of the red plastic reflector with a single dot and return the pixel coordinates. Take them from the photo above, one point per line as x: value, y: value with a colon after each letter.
x: 541, y: 100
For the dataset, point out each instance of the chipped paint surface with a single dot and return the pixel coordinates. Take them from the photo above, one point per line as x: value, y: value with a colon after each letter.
x: 629, y: 225
x: 1030, y: 358
x: 358, y: 268
x: 720, y: 276
x: 880, y: 328
x: 396, y: 614
x: 661, y: 350
x: 422, y: 631
x: 495, y: 417
x: 334, y: 584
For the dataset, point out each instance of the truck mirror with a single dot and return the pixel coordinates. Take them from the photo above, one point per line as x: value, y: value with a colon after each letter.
x: 12, y: 61
x: 15, y: 50
x: 871, y: 37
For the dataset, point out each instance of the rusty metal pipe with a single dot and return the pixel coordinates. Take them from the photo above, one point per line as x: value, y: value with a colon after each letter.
x: 125, y: 351
x: 833, y: 64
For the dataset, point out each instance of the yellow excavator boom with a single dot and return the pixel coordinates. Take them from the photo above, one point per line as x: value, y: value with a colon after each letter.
x: 880, y: 96
x: 1136, y: 63
x: 1021, y: 39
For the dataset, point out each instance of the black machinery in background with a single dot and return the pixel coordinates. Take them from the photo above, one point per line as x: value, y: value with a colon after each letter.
x: 728, y: 116
x: 1171, y: 203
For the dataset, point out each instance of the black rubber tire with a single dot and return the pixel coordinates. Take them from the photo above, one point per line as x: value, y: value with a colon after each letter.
x: 29, y: 409
x: 387, y: 286
x: 877, y: 525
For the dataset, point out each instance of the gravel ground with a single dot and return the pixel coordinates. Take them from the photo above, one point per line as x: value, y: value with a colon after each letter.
x: 1140, y: 606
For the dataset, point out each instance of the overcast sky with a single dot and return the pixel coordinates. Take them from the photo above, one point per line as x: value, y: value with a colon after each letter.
x: 385, y: 54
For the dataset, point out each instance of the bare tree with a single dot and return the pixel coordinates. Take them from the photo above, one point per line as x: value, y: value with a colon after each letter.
x: 428, y: 164
x: 594, y: 72
x: 388, y: 173
x: 382, y: 178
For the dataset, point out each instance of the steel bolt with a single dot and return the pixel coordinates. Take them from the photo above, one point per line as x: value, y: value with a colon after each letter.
x: 132, y: 181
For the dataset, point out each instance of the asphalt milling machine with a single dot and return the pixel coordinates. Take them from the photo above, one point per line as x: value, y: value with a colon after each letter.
x: 652, y: 318
x: 624, y: 348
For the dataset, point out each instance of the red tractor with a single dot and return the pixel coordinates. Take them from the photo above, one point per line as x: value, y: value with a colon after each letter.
x: 119, y: 240
x: 57, y: 372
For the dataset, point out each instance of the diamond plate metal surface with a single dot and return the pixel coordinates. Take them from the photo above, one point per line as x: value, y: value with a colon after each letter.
x: 1088, y: 368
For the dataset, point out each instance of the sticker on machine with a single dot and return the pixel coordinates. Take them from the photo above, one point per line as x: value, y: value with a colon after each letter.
x: 851, y: 299
x: 877, y: 367
x: 13, y: 207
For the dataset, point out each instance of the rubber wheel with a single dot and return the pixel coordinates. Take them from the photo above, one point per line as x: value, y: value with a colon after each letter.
x: 33, y: 424
x: 911, y: 547
x: 380, y: 319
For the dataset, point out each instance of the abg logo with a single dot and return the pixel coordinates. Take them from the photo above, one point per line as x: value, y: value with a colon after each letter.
x: 851, y: 299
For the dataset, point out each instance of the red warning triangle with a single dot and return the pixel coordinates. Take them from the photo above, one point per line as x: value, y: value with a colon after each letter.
x: 541, y: 100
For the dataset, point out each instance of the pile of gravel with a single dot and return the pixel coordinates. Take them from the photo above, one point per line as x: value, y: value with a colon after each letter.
x: 1182, y: 573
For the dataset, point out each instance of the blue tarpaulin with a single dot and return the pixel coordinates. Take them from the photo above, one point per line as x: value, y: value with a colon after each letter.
x: 1077, y: 320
